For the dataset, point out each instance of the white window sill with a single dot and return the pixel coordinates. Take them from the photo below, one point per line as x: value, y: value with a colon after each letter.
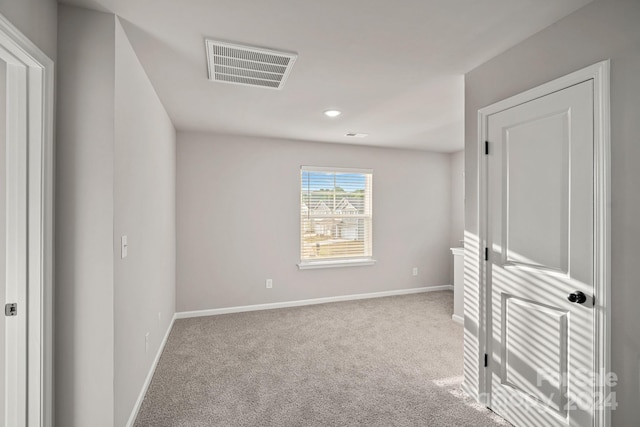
x: 309, y: 265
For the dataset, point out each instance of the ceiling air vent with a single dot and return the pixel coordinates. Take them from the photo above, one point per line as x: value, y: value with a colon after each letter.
x: 249, y: 66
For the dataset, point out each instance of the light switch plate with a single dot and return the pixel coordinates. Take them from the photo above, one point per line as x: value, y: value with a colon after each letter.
x: 123, y: 247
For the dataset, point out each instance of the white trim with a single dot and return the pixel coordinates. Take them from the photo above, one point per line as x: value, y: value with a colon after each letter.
x: 17, y: 362
x: 602, y: 219
x: 300, y: 303
x: 457, y: 251
x: 257, y: 307
x: 147, y: 381
x: 335, y: 169
x: 599, y: 73
x: 482, y: 393
x: 595, y: 71
x: 470, y: 392
x: 336, y: 263
x: 31, y: 72
x: 458, y: 319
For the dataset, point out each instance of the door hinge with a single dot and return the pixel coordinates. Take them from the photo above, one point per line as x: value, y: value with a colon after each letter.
x: 11, y: 309
x: 486, y: 254
x: 486, y: 360
x: 486, y: 147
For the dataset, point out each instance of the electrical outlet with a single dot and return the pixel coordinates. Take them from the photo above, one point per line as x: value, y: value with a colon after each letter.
x: 269, y: 283
x: 159, y: 318
x: 415, y: 271
x: 146, y: 342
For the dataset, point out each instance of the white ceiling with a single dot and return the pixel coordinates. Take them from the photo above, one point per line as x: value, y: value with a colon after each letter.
x: 395, y: 68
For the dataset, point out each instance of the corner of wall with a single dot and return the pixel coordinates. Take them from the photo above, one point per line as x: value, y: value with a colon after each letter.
x: 84, y: 331
x: 144, y: 211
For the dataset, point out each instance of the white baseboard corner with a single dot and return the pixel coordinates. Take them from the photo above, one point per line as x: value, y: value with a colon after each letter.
x: 299, y: 303
x: 257, y: 307
x: 458, y: 319
x: 470, y: 392
x: 147, y: 381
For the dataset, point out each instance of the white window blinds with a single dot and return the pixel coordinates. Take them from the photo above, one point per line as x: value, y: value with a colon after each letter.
x: 335, y: 213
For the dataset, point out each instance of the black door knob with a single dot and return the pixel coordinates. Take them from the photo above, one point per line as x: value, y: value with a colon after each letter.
x: 577, y: 297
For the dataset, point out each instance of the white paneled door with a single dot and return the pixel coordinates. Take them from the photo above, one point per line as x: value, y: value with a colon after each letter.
x: 540, y: 268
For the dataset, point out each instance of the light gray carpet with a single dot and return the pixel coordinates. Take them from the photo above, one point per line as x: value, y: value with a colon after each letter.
x: 393, y: 361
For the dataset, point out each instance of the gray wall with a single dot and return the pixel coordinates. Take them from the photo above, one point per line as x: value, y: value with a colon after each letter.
x: 456, y: 161
x: 604, y: 29
x: 115, y: 175
x: 457, y: 197
x: 84, y: 333
x: 144, y: 196
x: 36, y: 19
x: 238, y: 221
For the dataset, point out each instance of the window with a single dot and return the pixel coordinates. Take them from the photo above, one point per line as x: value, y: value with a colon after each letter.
x: 335, y: 217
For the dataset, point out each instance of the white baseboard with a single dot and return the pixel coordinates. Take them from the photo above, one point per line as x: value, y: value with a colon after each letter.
x: 147, y: 381
x: 240, y: 309
x: 299, y: 303
x: 470, y: 392
x: 458, y: 319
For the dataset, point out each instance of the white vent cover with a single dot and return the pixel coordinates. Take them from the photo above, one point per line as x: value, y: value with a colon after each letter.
x: 249, y: 66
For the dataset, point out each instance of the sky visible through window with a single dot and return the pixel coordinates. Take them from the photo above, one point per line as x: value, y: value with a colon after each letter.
x: 314, y: 181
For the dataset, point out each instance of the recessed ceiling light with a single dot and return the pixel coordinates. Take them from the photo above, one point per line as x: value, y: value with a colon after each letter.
x: 357, y: 135
x: 332, y: 113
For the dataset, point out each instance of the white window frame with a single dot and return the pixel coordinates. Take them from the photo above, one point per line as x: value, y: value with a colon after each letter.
x: 337, y: 262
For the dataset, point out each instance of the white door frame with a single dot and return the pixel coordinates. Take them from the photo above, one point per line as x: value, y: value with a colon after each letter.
x: 599, y: 73
x: 29, y: 145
